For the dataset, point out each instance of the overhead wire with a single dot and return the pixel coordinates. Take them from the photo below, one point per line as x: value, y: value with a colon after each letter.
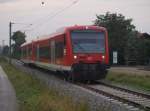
x: 51, y: 16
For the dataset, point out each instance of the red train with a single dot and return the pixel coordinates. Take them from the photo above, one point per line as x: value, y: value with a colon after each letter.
x: 78, y: 52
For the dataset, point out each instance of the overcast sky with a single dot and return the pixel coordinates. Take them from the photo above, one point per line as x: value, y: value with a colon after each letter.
x: 82, y: 12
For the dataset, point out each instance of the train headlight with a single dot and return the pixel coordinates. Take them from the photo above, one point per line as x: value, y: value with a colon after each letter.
x: 75, y: 57
x: 103, y: 57
x: 86, y: 27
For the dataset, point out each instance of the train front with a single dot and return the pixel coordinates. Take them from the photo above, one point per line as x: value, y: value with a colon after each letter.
x: 89, y: 52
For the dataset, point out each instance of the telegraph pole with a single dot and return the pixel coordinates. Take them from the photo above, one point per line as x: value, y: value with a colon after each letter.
x: 3, y: 45
x: 10, y: 35
x: 10, y: 29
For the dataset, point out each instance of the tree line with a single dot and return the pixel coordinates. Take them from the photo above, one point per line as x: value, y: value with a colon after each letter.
x: 132, y: 46
x: 18, y: 38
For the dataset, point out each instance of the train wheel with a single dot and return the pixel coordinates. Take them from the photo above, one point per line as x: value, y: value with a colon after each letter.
x: 71, y: 78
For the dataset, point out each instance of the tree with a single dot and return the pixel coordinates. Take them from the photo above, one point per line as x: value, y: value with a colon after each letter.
x: 119, y: 28
x: 19, y: 38
x: 144, y: 47
x: 132, y: 48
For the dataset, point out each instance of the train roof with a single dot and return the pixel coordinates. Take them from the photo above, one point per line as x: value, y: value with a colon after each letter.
x: 62, y: 31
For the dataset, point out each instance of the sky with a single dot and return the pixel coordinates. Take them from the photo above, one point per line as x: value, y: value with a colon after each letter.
x: 54, y: 14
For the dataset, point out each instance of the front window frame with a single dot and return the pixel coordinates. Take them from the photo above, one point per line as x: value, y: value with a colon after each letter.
x: 101, y: 31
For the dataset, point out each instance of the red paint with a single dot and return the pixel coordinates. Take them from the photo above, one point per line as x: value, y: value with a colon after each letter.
x: 68, y: 58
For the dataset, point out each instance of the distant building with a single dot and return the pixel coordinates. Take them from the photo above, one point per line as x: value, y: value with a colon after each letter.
x: 144, y: 35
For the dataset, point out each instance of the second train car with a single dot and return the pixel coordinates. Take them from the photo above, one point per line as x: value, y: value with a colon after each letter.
x: 79, y: 52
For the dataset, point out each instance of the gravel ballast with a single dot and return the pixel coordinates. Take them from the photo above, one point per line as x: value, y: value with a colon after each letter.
x: 95, y: 101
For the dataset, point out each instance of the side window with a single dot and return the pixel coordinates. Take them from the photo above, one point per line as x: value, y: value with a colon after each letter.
x: 59, y: 49
x: 37, y: 52
x: 60, y: 45
x: 23, y: 52
x: 44, y: 52
x: 27, y: 51
x: 64, y: 39
x: 30, y: 52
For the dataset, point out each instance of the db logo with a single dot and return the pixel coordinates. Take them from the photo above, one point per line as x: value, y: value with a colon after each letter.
x: 89, y: 58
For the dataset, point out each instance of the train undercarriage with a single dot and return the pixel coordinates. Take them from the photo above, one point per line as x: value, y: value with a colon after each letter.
x: 87, y: 72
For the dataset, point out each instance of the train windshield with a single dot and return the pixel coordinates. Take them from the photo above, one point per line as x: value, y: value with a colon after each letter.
x: 88, y: 41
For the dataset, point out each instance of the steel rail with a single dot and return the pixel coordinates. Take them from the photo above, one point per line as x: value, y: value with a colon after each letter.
x: 115, y: 97
x: 124, y: 89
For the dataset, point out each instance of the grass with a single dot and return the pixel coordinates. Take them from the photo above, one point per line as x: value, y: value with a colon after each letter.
x: 33, y: 95
x: 136, y: 81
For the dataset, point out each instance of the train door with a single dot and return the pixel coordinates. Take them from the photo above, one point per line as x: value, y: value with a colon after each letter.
x: 37, y: 53
x: 27, y: 49
x: 22, y: 51
x: 53, y: 51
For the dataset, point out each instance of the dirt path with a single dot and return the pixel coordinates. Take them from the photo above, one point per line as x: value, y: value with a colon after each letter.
x: 8, y: 100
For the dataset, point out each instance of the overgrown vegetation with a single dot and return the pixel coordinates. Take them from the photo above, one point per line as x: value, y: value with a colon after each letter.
x: 133, y: 80
x: 33, y: 95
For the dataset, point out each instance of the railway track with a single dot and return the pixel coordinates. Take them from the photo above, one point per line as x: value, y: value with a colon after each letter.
x: 125, y: 96
x: 132, y: 98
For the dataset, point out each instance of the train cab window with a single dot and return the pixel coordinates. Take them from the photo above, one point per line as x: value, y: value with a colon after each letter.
x: 88, y: 41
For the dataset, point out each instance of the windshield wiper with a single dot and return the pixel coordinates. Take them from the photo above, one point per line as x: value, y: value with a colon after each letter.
x: 80, y: 47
